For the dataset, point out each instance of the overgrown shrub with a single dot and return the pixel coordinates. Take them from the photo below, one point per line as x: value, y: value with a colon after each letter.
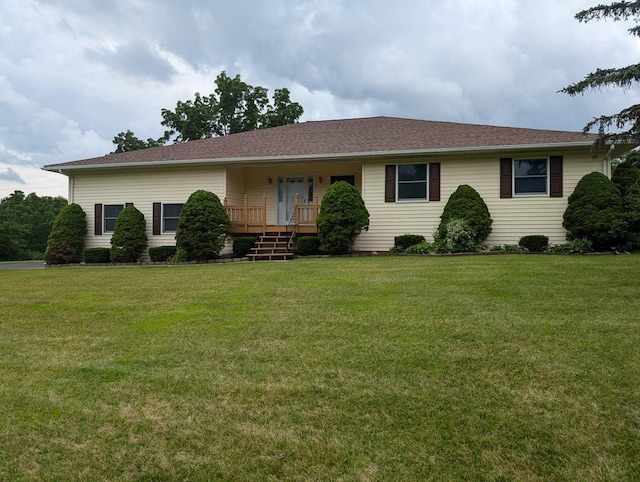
x: 162, y: 253
x: 404, y: 241
x: 242, y: 245
x: 459, y: 237
x: 576, y: 246
x: 97, y: 255
x: 507, y: 248
x: 66, y: 240
x: 632, y: 216
x: 203, y: 227
x: 466, y: 204
x: 129, y: 238
x: 595, y: 212
x: 535, y: 243
x: 342, y: 216
x: 307, y: 245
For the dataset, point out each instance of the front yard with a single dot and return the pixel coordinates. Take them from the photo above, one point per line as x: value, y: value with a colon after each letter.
x: 375, y: 368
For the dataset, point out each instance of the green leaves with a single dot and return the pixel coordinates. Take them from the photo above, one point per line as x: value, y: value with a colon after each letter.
x: 129, y: 238
x: 465, y: 203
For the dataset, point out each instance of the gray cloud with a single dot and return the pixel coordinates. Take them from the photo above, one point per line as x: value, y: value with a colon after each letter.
x: 12, y: 176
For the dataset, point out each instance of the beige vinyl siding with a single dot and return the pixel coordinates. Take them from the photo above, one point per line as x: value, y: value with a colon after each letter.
x: 235, y: 188
x: 512, y: 218
x: 142, y: 187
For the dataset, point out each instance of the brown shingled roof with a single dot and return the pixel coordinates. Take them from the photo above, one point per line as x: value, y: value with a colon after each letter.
x: 341, y: 137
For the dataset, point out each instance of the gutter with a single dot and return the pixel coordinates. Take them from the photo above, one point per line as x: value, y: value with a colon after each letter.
x: 448, y: 151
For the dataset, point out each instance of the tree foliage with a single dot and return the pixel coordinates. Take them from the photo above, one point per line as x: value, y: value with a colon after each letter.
x: 25, y: 223
x: 627, y: 121
x: 626, y: 175
x: 203, y: 227
x: 235, y: 106
x: 465, y: 203
x: 129, y: 238
x: 342, y: 215
x: 66, y: 240
x: 595, y: 212
x: 127, y: 141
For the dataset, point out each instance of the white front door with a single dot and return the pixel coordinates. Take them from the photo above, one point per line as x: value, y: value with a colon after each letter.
x: 288, y: 187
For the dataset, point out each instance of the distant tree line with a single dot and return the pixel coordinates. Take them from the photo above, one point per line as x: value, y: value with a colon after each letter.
x: 25, y: 223
x: 235, y: 106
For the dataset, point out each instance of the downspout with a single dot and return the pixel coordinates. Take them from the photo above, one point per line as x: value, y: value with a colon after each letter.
x: 606, y: 161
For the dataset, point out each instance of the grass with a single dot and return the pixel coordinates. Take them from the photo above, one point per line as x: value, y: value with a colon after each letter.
x: 379, y: 368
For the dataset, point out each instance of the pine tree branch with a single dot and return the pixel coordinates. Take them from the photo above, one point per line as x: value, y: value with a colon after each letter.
x: 615, y: 11
x: 623, y: 77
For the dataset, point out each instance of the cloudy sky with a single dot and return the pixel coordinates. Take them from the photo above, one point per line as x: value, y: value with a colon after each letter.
x: 74, y: 73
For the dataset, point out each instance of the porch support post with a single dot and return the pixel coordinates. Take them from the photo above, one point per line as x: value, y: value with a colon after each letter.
x: 296, y: 201
x: 316, y: 199
x: 246, y: 213
x: 264, y: 213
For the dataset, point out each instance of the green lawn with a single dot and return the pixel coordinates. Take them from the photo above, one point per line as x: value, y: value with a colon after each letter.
x: 374, y: 368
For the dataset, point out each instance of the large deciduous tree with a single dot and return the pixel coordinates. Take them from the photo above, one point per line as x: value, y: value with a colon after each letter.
x: 627, y: 121
x: 235, y: 106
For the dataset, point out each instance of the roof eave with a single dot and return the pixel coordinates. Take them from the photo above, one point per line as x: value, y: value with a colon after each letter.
x: 448, y: 151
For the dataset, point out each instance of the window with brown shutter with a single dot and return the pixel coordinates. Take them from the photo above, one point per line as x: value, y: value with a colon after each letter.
x: 506, y: 166
x: 390, y: 183
x: 555, y: 176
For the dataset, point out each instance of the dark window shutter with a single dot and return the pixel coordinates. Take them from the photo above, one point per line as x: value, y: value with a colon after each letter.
x: 128, y: 205
x: 390, y: 183
x: 434, y: 181
x: 97, y: 210
x: 157, y: 218
x: 555, y: 178
x: 506, y: 166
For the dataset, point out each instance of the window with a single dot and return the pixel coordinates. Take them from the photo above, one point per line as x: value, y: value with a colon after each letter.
x: 530, y: 176
x: 170, y: 217
x: 110, y: 216
x: 350, y: 179
x: 412, y: 182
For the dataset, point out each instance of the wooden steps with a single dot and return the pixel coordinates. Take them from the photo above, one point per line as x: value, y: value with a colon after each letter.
x: 272, y: 246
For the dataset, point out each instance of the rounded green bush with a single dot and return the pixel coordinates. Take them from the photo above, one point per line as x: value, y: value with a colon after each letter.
x: 534, y: 243
x: 307, y: 245
x: 342, y: 215
x: 203, y: 227
x: 404, y: 241
x: 466, y: 204
x: 242, y: 245
x: 595, y: 212
x: 66, y: 240
x: 97, y: 255
x: 162, y: 253
x: 129, y: 238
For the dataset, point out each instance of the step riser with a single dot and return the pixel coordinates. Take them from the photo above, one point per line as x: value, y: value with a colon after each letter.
x: 272, y: 247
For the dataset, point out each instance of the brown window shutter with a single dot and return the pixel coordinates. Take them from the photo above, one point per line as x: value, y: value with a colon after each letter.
x: 555, y: 178
x: 128, y: 205
x: 390, y: 183
x: 506, y: 166
x: 157, y: 218
x: 97, y: 210
x: 434, y: 181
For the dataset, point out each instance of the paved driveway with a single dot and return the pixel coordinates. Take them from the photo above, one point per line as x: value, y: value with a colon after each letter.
x: 23, y: 265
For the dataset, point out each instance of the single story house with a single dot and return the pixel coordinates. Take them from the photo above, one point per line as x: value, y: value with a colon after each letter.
x: 405, y: 169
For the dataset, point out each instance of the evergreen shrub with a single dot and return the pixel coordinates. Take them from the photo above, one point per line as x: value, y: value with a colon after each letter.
x: 307, y: 245
x: 595, y: 212
x: 459, y: 237
x: 129, y: 238
x: 203, y: 227
x: 423, y: 247
x: 625, y: 176
x: 66, y: 239
x: 466, y: 204
x: 535, y: 243
x: 97, y: 255
x: 162, y: 253
x: 342, y: 216
x: 242, y: 245
x: 404, y: 241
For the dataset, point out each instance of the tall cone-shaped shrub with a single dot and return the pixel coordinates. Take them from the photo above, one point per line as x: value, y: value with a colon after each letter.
x: 466, y: 204
x: 66, y: 240
x: 129, y: 238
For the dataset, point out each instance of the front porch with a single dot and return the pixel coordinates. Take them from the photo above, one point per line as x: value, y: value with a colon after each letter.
x: 252, y: 219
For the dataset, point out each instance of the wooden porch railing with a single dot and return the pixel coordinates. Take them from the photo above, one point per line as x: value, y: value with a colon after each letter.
x: 249, y: 218
x: 246, y: 216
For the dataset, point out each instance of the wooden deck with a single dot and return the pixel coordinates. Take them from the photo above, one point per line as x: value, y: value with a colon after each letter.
x: 252, y: 219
